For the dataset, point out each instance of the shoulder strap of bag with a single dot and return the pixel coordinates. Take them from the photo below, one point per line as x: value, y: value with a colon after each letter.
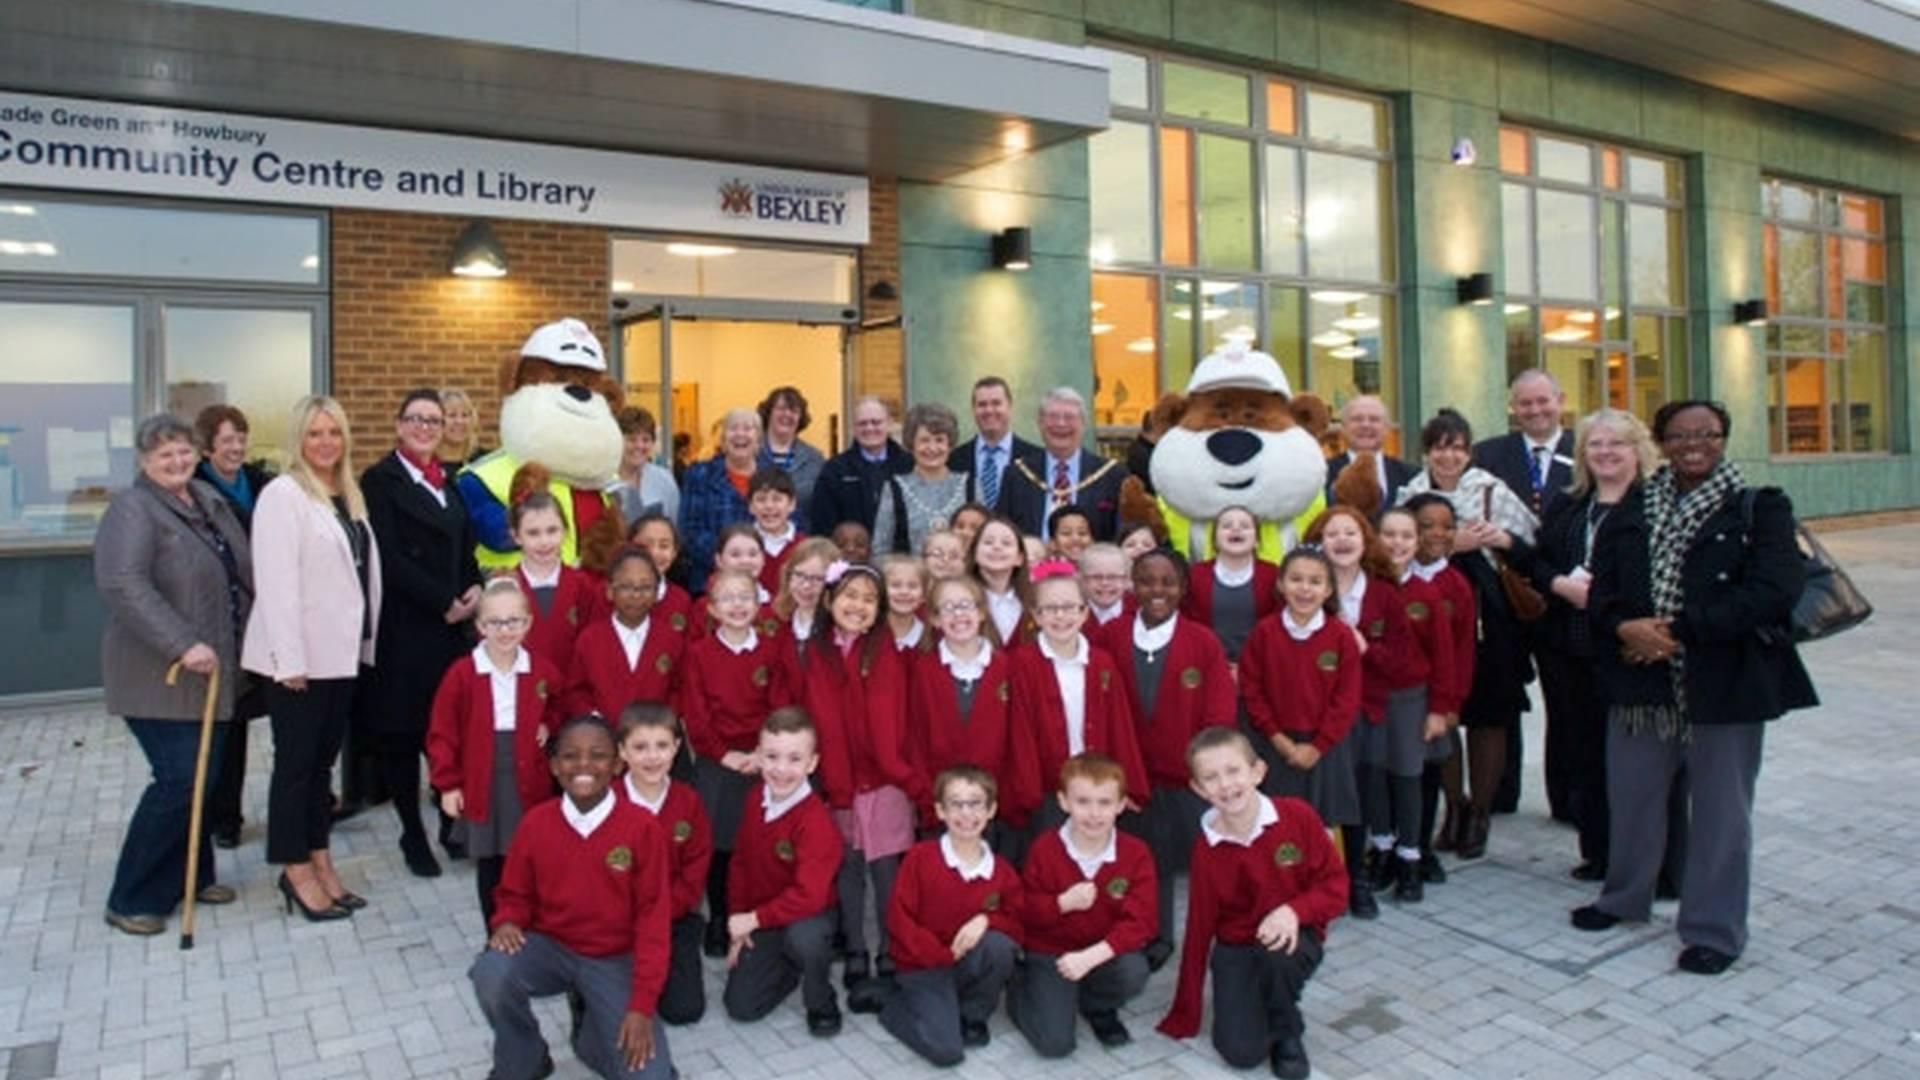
x: 900, y: 546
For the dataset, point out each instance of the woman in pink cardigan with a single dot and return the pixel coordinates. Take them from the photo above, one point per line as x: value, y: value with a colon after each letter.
x: 316, y: 602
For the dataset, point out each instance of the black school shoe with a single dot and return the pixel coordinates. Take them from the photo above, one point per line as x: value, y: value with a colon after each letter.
x: 1591, y: 918
x: 1701, y: 960
x: 1431, y: 871
x: 1383, y: 868
x: 856, y: 971
x: 1591, y: 870
x: 227, y: 836
x: 716, y: 942
x: 974, y: 1034
x: 419, y: 857
x: 1108, y: 1029
x: 1360, y: 901
x: 824, y: 1023
x: 1408, y: 888
x: 542, y: 1072
x: 1157, y: 952
x: 1289, y: 1058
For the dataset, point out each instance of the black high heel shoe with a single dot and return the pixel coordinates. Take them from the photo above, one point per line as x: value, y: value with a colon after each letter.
x: 325, y: 914
x: 351, y: 901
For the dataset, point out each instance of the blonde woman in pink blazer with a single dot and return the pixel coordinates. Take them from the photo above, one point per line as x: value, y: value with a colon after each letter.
x: 316, y: 602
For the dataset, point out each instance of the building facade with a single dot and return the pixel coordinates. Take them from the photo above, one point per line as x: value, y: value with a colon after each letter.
x: 1408, y: 199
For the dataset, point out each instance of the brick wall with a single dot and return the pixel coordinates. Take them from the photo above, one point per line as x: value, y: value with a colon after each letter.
x: 879, y: 358
x: 400, y: 320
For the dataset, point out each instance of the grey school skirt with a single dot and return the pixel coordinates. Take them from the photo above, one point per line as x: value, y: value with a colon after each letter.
x: 1395, y: 743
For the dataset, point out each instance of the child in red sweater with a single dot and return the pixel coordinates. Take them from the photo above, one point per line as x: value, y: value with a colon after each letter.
x: 733, y: 680
x: 649, y: 741
x: 656, y: 534
x: 1265, y: 884
x: 584, y: 907
x: 780, y: 884
x: 1434, y: 520
x: 955, y: 926
x: 627, y: 657
x: 770, y: 499
x: 1088, y: 907
x: 1426, y: 609
x: 906, y: 580
x: 803, y: 584
x: 1231, y: 592
x: 1300, y: 683
x: 490, y: 718
x: 961, y: 694
x: 564, y: 598
x: 1177, y: 683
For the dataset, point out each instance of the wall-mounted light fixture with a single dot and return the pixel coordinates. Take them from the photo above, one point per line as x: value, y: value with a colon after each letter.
x: 1750, y: 312
x: 1474, y: 289
x: 883, y: 290
x: 478, y: 254
x: 1013, y: 248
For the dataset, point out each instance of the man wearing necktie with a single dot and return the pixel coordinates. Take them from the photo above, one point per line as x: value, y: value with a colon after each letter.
x: 1537, y: 463
x: 1062, y: 473
x: 986, y: 457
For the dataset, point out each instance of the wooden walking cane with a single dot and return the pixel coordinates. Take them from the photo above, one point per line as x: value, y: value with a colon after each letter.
x: 199, y: 796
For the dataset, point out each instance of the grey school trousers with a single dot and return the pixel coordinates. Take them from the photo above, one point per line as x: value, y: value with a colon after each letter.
x: 506, y: 986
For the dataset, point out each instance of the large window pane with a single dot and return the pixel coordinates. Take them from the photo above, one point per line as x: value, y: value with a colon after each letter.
x: 1656, y: 253
x: 1515, y: 155
x: 1579, y: 371
x: 1864, y: 271
x: 1226, y: 202
x: 1350, y: 347
x: 260, y: 361
x: 1280, y: 108
x: 1181, y: 304
x: 1352, y: 121
x: 1204, y: 93
x: 1126, y: 348
x: 1120, y: 166
x: 52, y: 237
x: 1516, y: 238
x: 1284, y: 340
x: 1229, y: 311
x: 1344, y: 224
x: 1283, y: 212
x: 1126, y: 79
x: 1866, y: 389
x: 67, y: 416
x: 1567, y: 255
x: 1657, y: 177
x: 1176, y: 196
x: 1523, y: 344
x: 1567, y: 162
x: 1807, y: 405
x: 1795, y: 282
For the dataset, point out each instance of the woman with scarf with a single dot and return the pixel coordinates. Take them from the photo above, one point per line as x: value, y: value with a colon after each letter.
x: 1694, y: 581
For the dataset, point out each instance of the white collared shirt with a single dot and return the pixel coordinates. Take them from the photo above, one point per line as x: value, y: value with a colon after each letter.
x: 802, y: 625
x: 1005, y: 610
x: 506, y: 694
x: 1210, y: 821
x: 660, y: 590
x: 1233, y: 578
x: 980, y: 871
x: 439, y: 494
x: 761, y: 594
x: 1351, y: 600
x: 632, y: 641
x: 1151, y: 640
x: 1090, y: 864
x: 584, y: 824
x: 775, y: 543
x: 1071, y: 673
x: 968, y: 670
x: 537, y: 581
x: 1103, y: 616
x: 1427, y: 571
x: 772, y: 808
x: 1302, y: 633
x: 752, y: 642
x: 654, y: 805
x: 912, y: 637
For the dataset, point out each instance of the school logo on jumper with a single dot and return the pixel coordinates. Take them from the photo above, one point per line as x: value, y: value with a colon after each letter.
x: 1417, y: 611
x: 573, y: 616
x: 664, y: 664
x: 769, y: 626
x: 991, y: 903
x: 620, y: 858
x: 1287, y: 854
x: 1106, y: 680
x: 1002, y: 692
x: 678, y: 622
x: 1377, y: 628
x: 1328, y: 661
x: 540, y: 689
x: 783, y: 850
x: 682, y: 831
x: 1190, y: 678
x: 1117, y: 888
x: 760, y: 675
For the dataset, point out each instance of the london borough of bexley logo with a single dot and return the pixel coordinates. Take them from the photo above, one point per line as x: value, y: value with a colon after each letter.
x: 775, y: 200
x: 736, y: 198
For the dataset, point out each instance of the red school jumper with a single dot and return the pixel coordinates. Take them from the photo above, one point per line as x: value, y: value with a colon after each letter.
x: 1126, y: 906
x: 942, y: 738
x: 460, y: 734
x: 1457, y: 606
x: 1394, y: 659
x: 1040, y: 729
x: 770, y: 569
x: 579, y: 598
x: 599, y: 896
x: 783, y: 870
x: 1426, y: 611
x: 931, y: 902
x: 689, y: 841
x: 1293, y: 687
x: 1196, y: 692
x: 726, y: 696
x: 850, y: 698
x: 1198, y: 604
x: 676, y: 609
x: 1233, y: 886
x: 599, y: 680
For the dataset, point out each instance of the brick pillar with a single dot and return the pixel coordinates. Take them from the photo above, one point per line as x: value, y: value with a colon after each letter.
x: 879, y: 356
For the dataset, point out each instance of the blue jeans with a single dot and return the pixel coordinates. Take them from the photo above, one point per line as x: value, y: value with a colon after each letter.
x: 153, y: 859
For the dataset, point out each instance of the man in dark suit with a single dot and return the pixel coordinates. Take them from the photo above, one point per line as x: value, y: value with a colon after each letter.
x: 1063, y: 472
x: 851, y: 481
x: 986, y: 457
x: 1363, y: 425
x: 1536, y: 462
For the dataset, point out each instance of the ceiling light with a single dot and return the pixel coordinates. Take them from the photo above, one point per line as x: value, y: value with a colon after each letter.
x: 1337, y: 296
x: 1243, y: 332
x: 1211, y: 312
x: 1332, y: 339
x: 700, y: 251
x: 1515, y: 309
x: 1357, y: 324
x: 1099, y: 305
x: 1584, y: 317
x: 1102, y: 328
x: 18, y: 209
x: 1347, y: 352
x: 622, y: 285
x: 1140, y: 345
x: 1568, y: 333
x: 1218, y: 288
x: 41, y: 247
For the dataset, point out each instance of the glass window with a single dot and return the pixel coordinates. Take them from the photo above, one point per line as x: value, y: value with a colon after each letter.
x: 1280, y: 107
x: 1176, y: 196
x: 1595, y: 254
x: 667, y: 268
x: 1204, y: 93
x: 1346, y: 238
x: 1827, y: 367
x: 256, y: 359
x: 1283, y: 212
x: 55, y: 237
x: 1126, y: 338
x: 1226, y: 202
x: 1126, y: 79
x: 68, y: 418
x: 1338, y: 118
x: 1121, y: 194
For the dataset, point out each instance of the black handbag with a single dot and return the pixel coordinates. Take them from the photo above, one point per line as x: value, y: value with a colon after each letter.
x: 1829, y: 601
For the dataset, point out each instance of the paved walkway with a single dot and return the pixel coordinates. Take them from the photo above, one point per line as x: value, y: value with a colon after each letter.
x: 1483, y: 980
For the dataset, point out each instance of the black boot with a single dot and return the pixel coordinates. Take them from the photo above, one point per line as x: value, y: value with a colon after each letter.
x: 1409, y: 889
x: 1360, y: 901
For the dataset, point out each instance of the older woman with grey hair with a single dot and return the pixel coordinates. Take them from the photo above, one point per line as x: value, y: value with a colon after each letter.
x: 172, y: 565
x: 918, y: 502
x: 713, y: 494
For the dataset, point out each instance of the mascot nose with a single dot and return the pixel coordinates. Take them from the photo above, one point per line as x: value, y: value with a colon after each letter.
x: 579, y: 393
x: 1233, y: 446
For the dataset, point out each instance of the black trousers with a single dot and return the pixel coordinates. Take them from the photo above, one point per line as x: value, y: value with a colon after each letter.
x: 308, y: 727
x: 1576, y: 754
x: 929, y: 1006
x: 1256, y: 997
x: 1044, y: 1004
x: 225, y: 786
x: 798, y: 954
x: 684, y: 998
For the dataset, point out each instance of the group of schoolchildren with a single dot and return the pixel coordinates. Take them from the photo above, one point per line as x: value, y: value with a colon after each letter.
x: 1012, y: 752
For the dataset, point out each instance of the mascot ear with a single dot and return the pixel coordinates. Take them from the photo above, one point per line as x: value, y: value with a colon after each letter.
x: 1358, y: 485
x: 1165, y: 416
x: 604, y: 385
x: 527, y: 479
x: 509, y: 377
x: 601, y: 541
x: 1138, y: 506
x: 1311, y: 413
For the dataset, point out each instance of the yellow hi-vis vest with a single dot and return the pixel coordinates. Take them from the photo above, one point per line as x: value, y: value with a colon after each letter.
x: 1275, y: 538
x: 496, y: 471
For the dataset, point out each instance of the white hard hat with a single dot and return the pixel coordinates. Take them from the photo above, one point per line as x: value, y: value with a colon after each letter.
x: 1233, y: 366
x: 568, y: 343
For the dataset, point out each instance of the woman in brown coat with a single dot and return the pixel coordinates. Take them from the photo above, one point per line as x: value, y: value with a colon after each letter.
x: 172, y: 565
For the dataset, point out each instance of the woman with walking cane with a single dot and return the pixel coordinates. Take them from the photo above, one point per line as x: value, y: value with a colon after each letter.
x: 172, y: 565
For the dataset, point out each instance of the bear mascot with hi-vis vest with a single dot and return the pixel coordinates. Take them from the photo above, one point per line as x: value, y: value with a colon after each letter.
x: 1238, y: 437
x: 557, y: 432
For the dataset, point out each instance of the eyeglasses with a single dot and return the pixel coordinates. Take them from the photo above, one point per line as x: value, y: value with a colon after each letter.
x: 631, y: 589
x: 1106, y: 577
x: 415, y: 420
x: 958, y: 607
x: 965, y: 806
x: 513, y: 623
x: 1062, y: 609
x: 804, y: 578
x: 1683, y: 437
x: 725, y: 598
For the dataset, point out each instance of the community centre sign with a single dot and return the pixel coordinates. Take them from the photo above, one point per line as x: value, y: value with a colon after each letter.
x: 106, y: 146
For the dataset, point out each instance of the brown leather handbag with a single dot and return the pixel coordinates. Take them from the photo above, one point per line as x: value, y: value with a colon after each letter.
x: 1523, y: 599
